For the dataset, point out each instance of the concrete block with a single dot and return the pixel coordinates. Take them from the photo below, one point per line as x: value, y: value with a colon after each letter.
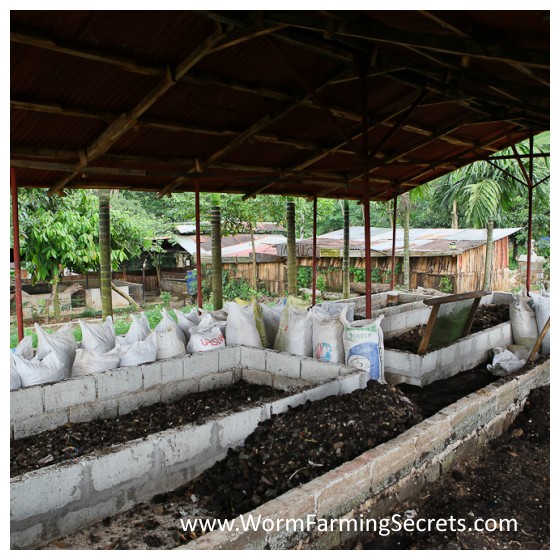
x: 463, y: 415
x: 181, y: 445
x: 171, y: 370
x: 229, y: 358
x: 215, y: 381
x: 119, y: 381
x: 323, y: 390
x: 140, y: 399
x: 465, y: 347
x: 432, y: 436
x: 314, y: 370
x: 83, y: 517
x: 151, y: 374
x: 26, y: 402
x: 429, y: 364
x: 283, y: 363
x: 69, y: 392
x: 39, y: 423
x: 283, y: 383
x: 125, y: 463
x: 106, y: 408
x: 45, y: 490
x: 256, y: 377
x: 354, y: 381
x: 536, y: 377
x: 398, y: 362
x: 233, y: 429
x: 196, y: 365
x: 253, y: 358
x: 21, y: 538
x: 174, y: 391
x: 281, y: 405
x: 351, y: 487
x: 481, y: 343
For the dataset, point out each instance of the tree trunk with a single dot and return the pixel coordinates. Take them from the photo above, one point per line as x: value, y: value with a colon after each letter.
x: 55, y: 298
x: 346, y: 252
x: 405, y: 200
x: 489, y: 256
x: 454, y: 216
x: 291, y: 245
x: 215, y: 218
x: 254, y: 256
x: 105, y: 253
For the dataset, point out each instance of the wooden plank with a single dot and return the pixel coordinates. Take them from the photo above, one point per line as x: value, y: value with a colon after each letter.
x: 470, y: 318
x: 455, y: 297
x: 428, y: 330
x: 539, y: 341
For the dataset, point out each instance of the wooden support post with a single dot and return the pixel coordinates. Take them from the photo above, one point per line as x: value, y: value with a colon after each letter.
x: 17, y: 266
x: 470, y: 319
x: 314, y: 263
x: 428, y: 330
x: 198, y: 255
x: 394, y: 243
x: 539, y: 341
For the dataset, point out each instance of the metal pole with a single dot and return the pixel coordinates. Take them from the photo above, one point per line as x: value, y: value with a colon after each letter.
x: 530, y: 225
x: 198, y: 255
x: 17, y: 266
x: 394, y: 243
x: 314, y: 262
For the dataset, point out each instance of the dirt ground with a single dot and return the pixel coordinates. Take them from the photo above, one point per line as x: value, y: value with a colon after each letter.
x: 510, y: 481
x: 487, y: 316
x: 75, y: 440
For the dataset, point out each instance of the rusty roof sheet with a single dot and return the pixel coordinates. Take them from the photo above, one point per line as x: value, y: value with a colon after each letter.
x: 270, y: 102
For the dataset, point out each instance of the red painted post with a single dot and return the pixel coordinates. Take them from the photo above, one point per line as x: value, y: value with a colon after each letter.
x: 314, y: 262
x: 17, y: 266
x: 198, y: 255
x: 394, y: 243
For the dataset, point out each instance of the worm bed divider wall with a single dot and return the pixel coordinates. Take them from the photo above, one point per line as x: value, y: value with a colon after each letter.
x: 55, y: 500
x: 372, y: 485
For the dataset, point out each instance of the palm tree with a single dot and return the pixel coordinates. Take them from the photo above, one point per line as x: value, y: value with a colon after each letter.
x: 346, y: 251
x: 484, y: 190
x: 291, y: 245
x: 215, y: 219
x: 105, y: 253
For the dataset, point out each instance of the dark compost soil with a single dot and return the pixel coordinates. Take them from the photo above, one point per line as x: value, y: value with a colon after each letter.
x: 74, y: 440
x: 284, y: 452
x: 511, y: 480
x: 487, y: 316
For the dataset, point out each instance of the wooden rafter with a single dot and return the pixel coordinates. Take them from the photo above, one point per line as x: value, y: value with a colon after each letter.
x: 124, y: 123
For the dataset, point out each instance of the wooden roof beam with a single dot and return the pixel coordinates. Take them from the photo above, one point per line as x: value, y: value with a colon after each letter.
x: 125, y: 122
x: 373, y: 31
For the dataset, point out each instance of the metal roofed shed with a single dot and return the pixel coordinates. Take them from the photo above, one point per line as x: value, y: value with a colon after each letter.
x: 454, y: 254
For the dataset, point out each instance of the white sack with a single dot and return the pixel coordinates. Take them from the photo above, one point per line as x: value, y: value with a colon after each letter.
x: 241, y: 327
x: 141, y: 352
x: 281, y: 335
x: 89, y: 361
x: 62, y: 342
x: 25, y: 350
x: 299, y: 338
x: 139, y: 330
x: 363, y: 348
x: 333, y: 309
x: 208, y: 320
x: 327, y: 337
x: 169, y: 345
x: 542, y: 312
x: 37, y: 371
x: 205, y: 338
x: 187, y: 321
x: 168, y: 324
x: 523, y: 321
x: 271, y: 319
x: 98, y: 338
x: 504, y: 362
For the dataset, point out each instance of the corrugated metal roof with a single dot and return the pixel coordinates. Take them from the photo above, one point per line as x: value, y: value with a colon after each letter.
x: 259, y: 94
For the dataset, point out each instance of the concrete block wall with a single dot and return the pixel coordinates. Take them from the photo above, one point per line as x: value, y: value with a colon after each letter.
x: 468, y: 352
x: 373, y: 484
x: 52, y: 501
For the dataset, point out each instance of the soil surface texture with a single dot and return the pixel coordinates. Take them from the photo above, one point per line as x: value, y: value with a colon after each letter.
x: 74, y: 440
x: 282, y: 453
x: 487, y: 316
x: 511, y: 480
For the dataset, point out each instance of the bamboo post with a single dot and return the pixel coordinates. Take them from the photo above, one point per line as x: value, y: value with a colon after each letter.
x: 539, y: 341
x: 489, y: 255
x: 17, y: 266
x: 314, y: 257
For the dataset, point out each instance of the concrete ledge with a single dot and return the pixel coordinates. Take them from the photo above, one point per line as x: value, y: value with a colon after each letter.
x: 375, y: 482
x: 50, y: 502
